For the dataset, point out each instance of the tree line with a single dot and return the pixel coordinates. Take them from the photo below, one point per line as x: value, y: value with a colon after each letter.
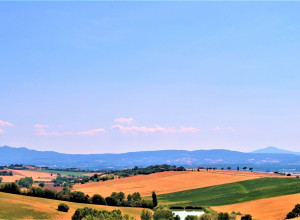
x: 115, y: 199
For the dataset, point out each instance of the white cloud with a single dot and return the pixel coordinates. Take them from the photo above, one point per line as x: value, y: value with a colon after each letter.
x: 217, y: 128
x: 124, y: 120
x: 227, y: 128
x: 231, y: 129
x: 41, y: 126
x: 2, y: 131
x: 136, y: 129
x: 43, y: 132
x: 60, y: 126
x: 6, y: 123
x: 91, y: 132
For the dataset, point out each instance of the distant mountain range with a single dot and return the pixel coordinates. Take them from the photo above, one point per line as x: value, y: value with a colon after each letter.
x: 274, y: 150
x: 268, y: 159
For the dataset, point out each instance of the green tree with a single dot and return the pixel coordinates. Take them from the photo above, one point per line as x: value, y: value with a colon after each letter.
x: 163, y: 214
x: 1, y: 179
x: 246, y: 217
x: 42, y: 184
x: 98, y: 199
x: 223, y: 216
x: 154, y: 199
x: 146, y: 215
x: 136, y: 196
x: 63, y: 207
x: 191, y: 217
x: 112, y: 201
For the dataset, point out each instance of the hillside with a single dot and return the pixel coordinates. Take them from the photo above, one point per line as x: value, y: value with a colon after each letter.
x: 26, y: 207
x: 274, y: 150
x: 161, y: 183
x: 215, y: 158
x: 232, y: 193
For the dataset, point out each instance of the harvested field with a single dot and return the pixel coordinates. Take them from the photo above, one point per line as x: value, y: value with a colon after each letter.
x: 37, y: 176
x: 26, y: 207
x: 248, y: 173
x: 161, y: 183
x: 275, y: 208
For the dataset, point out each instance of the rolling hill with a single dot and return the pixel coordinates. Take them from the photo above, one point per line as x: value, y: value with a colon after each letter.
x: 214, y: 158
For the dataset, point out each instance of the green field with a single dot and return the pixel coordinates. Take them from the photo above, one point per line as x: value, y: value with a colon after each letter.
x: 14, y: 206
x: 233, y: 192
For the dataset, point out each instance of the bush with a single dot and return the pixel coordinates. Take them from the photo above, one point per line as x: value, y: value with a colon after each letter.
x: 11, y: 188
x: 88, y: 213
x: 291, y: 215
x: 163, y: 214
x: 98, y: 199
x: 146, y: 215
x: 111, y: 201
x: 25, y: 182
x: 176, y: 207
x: 296, y: 209
x: 77, y: 196
x: 191, y: 217
x: 223, y: 216
x: 246, y: 217
x: 63, y: 207
x: 205, y: 217
x: 189, y: 207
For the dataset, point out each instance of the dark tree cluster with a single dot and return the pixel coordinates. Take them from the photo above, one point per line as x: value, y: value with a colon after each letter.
x: 89, y: 213
x: 116, y: 199
x: 25, y: 182
x: 6, y: 173
x: 147, y: 170
x: 294, y: 213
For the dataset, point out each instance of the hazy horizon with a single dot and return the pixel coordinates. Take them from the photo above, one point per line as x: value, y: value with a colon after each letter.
x: 112, y: 77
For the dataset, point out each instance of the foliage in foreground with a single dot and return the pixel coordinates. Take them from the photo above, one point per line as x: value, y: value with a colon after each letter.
x: 116, y: 199
x: 294, y: 213
x: 93, y: 214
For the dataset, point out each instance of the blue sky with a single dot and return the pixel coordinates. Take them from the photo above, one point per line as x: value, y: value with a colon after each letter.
x: 98, y: 77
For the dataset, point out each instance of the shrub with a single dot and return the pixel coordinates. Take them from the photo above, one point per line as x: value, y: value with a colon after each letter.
x: 189, y: 207
x: 77, y: 196
x: 176, y: 207
x: 98, y: 199
x: 223, y: 216
x: 88, y: 213
x: 296, y: 209
x: 147, y: 204
x: 246, y: 217
x: 25, y: 182
x: 146, y: 215
x: 205, y: 217
x: 63, y: 207
x: 163, y: 214
x: 191, y: 217
x: 291, y: 215
x: 11, y: 188
x: 42, y: 184
x: 111, y: 201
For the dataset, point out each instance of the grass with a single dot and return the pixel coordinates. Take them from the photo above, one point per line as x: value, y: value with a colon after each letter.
x: 232, y: 193
x: 66, y: 173
x: 26, y: 207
